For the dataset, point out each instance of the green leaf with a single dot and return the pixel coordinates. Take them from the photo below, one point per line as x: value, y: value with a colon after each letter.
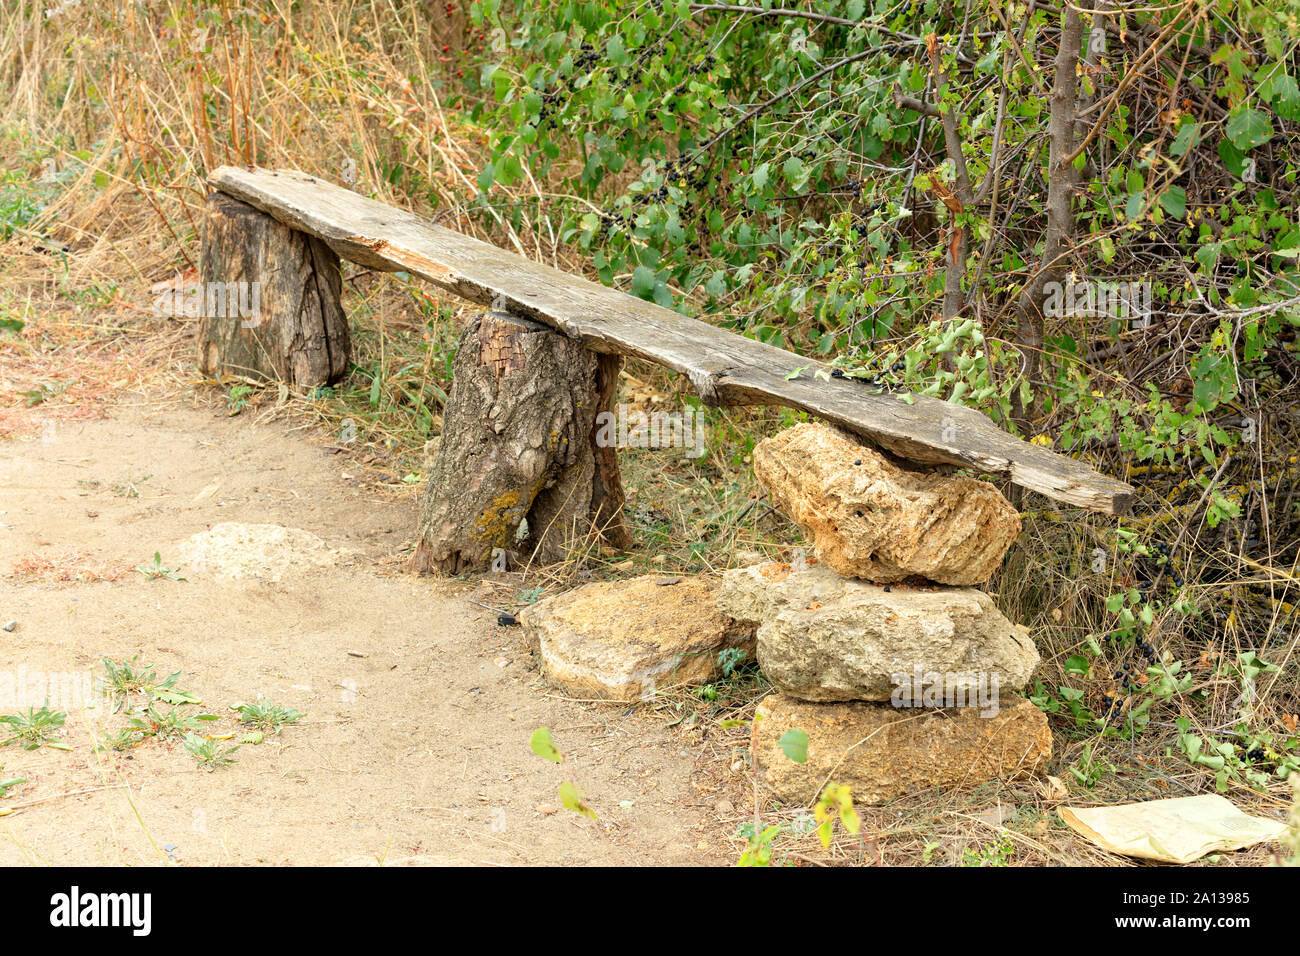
x: 824, y: 832
x: 616, y: 52
x: 643, y: 282
x: 796, y: 174
x: 571, y: 797
x: 1284, y: 94
x: 1212, y: 376
x: 500, y: 83
x: 1248, y: 128
x: 1174, y: 201
x: 544, y: 746
x: 1234, y: 160
x: 1187, y: 137
x: 1076, y: 664
x: 175, y: 697
x: 794, y: 744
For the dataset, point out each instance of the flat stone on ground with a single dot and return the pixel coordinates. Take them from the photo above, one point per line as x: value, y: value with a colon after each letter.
x: 625, y: 640
x: 883, y: 752
x: 234, y: 550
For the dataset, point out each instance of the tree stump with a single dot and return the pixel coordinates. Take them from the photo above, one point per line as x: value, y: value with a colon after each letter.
x: 269, y: 300
x: 518, y: 468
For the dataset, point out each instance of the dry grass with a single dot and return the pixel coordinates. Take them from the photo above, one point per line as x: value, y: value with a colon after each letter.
x: 68, y: 567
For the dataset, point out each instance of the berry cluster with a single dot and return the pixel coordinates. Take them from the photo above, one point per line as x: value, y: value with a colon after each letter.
x: 586, y: 63
x: 867, y: 377
x: 686, y: 172
x: 624, y: 77
x: 1126, y: 675
x: 1161, y: 548
x: 695, y: 69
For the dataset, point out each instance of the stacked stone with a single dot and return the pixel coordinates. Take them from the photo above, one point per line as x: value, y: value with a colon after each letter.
x: 630, y: 640
x: 882, y: 650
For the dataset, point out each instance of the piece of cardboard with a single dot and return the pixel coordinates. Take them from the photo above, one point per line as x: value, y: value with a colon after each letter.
x: 1178, y: 830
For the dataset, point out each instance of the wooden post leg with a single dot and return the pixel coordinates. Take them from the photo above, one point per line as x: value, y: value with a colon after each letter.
x: 269, y: 300
x: 517, y: 468
x: 607, y: 495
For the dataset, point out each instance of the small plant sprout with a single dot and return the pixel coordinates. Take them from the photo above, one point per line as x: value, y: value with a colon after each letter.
x: 266, y: 717
x: 836, y: 801
x: 153, y: 572
x: 994, y: 854
x: 758, y: 852
x: 124, y: 678
x: 174, y: 724
x: 130, y: 487
x: 729, y: 659
x: 210, y: 754
x: 237, y: 398
x: 36, y: 728
x: 127, y: 677
x: 123, y: 739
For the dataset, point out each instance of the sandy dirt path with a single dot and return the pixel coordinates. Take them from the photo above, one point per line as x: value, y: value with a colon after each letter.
x: 419, y: 708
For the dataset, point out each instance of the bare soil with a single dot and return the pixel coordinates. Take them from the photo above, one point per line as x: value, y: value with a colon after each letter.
x: 418, y: 707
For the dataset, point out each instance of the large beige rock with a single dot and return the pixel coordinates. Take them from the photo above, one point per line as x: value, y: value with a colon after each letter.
x: 824, y: 637
x: 624, y: 640
x: 235, y: 551
x: 870, y: 519
x: 883, y: 752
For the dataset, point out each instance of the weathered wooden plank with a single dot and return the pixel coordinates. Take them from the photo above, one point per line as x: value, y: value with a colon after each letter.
x: 723, y: 367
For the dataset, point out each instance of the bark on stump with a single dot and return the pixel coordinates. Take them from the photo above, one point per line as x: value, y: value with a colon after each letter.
x: 518, y: 443
x: 270, y: 300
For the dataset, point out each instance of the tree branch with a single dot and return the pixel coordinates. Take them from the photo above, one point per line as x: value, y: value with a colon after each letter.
x: 773, y: 12
x: 818, y: 18
x: 1152, y: 54
x: 903, y: 101
x: 960, y: 199
x: 778, y: 97
x: 1060, y: 191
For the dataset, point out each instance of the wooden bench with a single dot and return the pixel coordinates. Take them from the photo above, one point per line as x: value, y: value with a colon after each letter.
x: 533, y: 373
